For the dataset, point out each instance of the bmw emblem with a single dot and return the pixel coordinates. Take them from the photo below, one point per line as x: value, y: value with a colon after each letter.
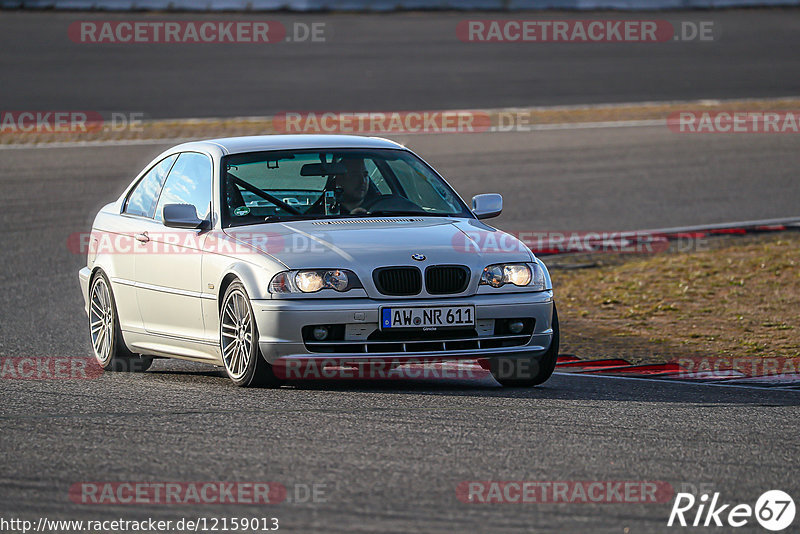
x: 418, y: 257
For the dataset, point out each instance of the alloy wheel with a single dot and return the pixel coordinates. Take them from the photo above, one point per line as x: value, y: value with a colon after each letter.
x: 101, y: 321
x: 237, y: 334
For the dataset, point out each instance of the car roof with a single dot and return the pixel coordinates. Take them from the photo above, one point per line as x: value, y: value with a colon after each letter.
x: 255, y: 143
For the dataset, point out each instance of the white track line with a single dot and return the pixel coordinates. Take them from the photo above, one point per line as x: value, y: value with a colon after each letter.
x: 648, y: 103
x: 785, y: 221
x: 173, y: 141
x: 680, y: 382
x: 494, y: 129
x: 91, y: 144
x: 579, y: 126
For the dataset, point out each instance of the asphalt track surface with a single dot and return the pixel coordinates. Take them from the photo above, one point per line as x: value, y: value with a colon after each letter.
x: 409, y: 61
x: 389, y: 455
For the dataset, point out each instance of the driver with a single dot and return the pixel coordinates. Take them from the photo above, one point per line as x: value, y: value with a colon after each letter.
x: 354, y: 184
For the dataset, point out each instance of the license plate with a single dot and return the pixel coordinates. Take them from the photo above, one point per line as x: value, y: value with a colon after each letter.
x: 431, y: 317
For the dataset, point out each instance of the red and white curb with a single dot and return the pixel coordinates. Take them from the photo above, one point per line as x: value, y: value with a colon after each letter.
x: 726, y: 374
x: 657, y: 239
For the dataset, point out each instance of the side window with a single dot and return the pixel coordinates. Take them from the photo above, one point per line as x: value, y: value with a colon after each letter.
x: 189, y: 182
x: 142, y: 201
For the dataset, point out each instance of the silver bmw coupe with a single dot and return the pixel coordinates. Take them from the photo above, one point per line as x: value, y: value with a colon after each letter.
x: 255, y: 253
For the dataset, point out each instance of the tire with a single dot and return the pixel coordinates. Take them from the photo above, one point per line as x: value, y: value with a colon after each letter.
x: 238, y: 339
x: 105, y: 333
x: 528, y: 372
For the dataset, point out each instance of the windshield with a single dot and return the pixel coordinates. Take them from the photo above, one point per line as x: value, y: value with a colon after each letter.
x: 311, y: 184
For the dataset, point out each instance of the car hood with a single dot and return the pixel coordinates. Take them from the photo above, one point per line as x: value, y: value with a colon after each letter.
x: 362, y: 245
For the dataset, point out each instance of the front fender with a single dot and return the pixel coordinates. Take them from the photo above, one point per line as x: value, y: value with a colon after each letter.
x: 255, y: 279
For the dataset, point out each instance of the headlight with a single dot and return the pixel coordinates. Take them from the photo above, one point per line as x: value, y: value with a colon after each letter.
x: 337, y: 280
x: 519, y: 274
x: 311, y: 281
x: 500, y: 274
x: 493, y: 276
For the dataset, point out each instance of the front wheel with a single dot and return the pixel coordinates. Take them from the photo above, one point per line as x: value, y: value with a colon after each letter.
x: 239, y: 341
x: 105, y: 332
x: 528, y: 372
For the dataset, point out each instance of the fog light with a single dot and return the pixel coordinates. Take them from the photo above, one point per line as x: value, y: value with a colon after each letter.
x: 320, y: 333
x: 515, y: 327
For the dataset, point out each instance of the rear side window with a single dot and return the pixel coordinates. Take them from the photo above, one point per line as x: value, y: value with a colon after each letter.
x: 142, y: 201
x: 189, y: 182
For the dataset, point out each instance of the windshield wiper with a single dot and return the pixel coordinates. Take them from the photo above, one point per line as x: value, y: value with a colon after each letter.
x: 381, y: 213
x: 281, y: 218
x: 389, y: 213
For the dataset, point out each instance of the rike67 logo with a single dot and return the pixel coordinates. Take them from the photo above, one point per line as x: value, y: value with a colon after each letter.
x: 774, y: 510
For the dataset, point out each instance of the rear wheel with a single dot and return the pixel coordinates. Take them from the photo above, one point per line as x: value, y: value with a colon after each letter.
x: 527, y: 372
x: 105, y: 333
x: 239, y: 341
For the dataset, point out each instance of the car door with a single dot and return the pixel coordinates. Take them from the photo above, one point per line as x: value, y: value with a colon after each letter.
x: 168, y: 272
x: 139, y: 207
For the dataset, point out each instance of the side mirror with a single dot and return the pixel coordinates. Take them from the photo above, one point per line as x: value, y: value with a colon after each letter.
x: 487, y: 206
x: 182, y: 216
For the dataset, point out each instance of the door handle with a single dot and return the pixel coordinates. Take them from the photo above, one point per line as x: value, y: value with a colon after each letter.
x: 142, y: 238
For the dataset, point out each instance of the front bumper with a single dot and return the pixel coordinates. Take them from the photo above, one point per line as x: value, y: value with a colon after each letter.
x: 280, y: 324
